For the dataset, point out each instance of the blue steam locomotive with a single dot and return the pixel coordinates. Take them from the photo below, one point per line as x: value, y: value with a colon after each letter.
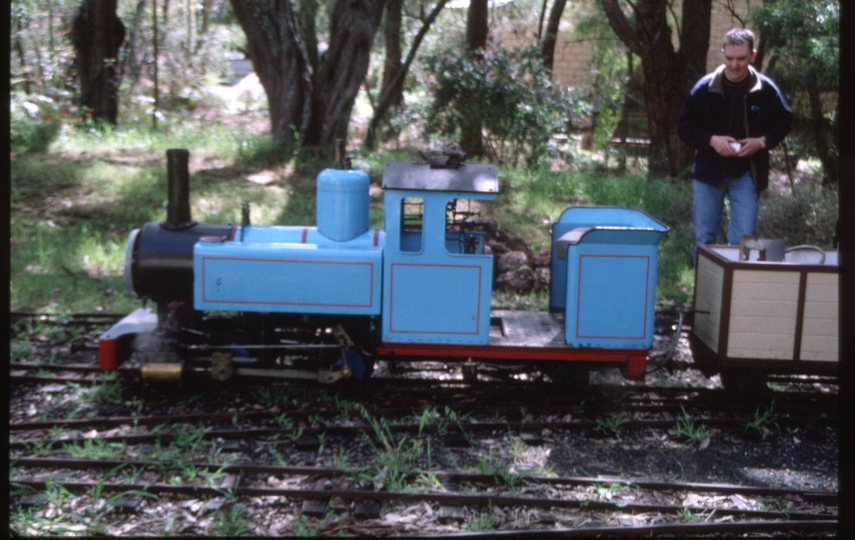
x: 325, y: 302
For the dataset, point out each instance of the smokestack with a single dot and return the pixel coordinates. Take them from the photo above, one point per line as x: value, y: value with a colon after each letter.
x: 178, y: 207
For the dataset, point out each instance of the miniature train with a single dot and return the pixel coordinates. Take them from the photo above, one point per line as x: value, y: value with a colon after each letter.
x: 325, y: 302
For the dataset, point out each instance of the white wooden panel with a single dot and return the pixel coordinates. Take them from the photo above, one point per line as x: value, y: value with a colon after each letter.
x: 819, y: 348
x: 753, y: 285
x: 820, y: 327
x: 763, y: 313
x: 822, y: 310
x: 764, y: 308
x: 708, y: 295
x: 766, y: 346
x: 822, y: 287
x: 763, y: 325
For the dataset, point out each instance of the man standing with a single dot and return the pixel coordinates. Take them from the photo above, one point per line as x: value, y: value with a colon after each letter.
x: 732, y: 117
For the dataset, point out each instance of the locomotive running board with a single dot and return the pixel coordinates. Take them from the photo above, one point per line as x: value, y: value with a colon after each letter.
x: 523, y: 336
x: 635, y: 360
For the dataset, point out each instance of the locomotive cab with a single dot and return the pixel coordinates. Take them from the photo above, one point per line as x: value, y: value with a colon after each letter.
x: 438, y: 280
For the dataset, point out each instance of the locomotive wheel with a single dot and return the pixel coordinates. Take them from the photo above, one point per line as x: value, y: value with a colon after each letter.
x: 361, y: 366
x: 743, y: 381
x: 222, y: 366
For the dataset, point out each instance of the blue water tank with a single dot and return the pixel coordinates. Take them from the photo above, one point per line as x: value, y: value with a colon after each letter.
x: 342, y: 203
x: 611, y: 269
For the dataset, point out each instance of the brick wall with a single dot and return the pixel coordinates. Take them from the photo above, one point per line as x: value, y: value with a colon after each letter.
x: 571, y: 66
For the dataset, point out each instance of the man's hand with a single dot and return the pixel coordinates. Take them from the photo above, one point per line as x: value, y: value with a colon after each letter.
x: 721, y: 144
x: 750, y: 146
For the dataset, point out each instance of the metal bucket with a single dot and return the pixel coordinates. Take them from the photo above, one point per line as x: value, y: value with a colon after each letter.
x: 767, y: 249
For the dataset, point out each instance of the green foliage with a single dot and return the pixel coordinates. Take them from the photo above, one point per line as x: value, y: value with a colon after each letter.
x: 19, y: 350
x: 610, y: 71
x: 231, y: 521
x: 687, y: 429
x: 483, y: 522
x: 511, y: 94
x: 686, y: 516
x: 108, y: 389
x: 397, y: 457
x: 35, y: 122
x: 802, y: 44
x: 612, y: 426
x: 764, y: 419
x: 96, y: 449
x: 188, y: 440
x: 806, y: 216
x: 804, y: 41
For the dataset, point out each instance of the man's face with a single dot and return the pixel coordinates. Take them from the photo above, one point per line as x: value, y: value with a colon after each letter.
x: 736, y: 60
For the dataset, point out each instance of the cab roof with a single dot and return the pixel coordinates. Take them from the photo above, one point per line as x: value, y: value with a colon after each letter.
x: 468, y: 177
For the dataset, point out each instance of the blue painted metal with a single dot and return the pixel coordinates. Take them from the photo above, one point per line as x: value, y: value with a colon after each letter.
x: 290, y: 270
x: 583, y: 216
x: 611, y: 271
x: 434, y: 293
x: 342, y: 203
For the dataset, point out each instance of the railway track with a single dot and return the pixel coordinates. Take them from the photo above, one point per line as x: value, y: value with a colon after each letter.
x: 406, y: 453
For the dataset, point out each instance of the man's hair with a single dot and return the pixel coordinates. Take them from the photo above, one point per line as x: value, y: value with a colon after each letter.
x: 739, y: 36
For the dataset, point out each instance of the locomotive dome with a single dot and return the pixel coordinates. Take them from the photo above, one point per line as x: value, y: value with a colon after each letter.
x: 343, y: 203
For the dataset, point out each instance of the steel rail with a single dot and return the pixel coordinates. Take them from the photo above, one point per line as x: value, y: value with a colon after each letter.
x: 671, y: 529
x: 824, y: 497
x: 447, y: 499
x: 71, y: 318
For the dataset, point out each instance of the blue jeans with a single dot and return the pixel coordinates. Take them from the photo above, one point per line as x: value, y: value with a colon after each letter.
x: 709, y: 204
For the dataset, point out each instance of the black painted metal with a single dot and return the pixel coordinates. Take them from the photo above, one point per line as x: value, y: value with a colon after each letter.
x: 178, y: 207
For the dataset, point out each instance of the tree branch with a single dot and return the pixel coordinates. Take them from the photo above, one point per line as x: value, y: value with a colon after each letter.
x: 621, y: 26
x: 385, y: 99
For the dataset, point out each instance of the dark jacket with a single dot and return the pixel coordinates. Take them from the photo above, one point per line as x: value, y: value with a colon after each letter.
x: 704, y: 115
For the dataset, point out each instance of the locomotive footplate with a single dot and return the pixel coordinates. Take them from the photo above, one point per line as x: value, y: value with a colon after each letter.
x: 524, y: 336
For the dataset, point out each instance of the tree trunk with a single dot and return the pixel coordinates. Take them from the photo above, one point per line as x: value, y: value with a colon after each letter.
x: 275, y: 48
x: 97, y: 33
x: 392, y: 64
x: 477, y: 24
x: 668, y: 74
x: 337, y: 80
x: 477, y: 28
x: 823, y: 134
x: 132, y: 63
x: 550, y: 37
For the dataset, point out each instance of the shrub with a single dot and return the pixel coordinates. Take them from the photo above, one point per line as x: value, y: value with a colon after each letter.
x: 35, y: 121
x: 806, y: 216
x: 509, y: 91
